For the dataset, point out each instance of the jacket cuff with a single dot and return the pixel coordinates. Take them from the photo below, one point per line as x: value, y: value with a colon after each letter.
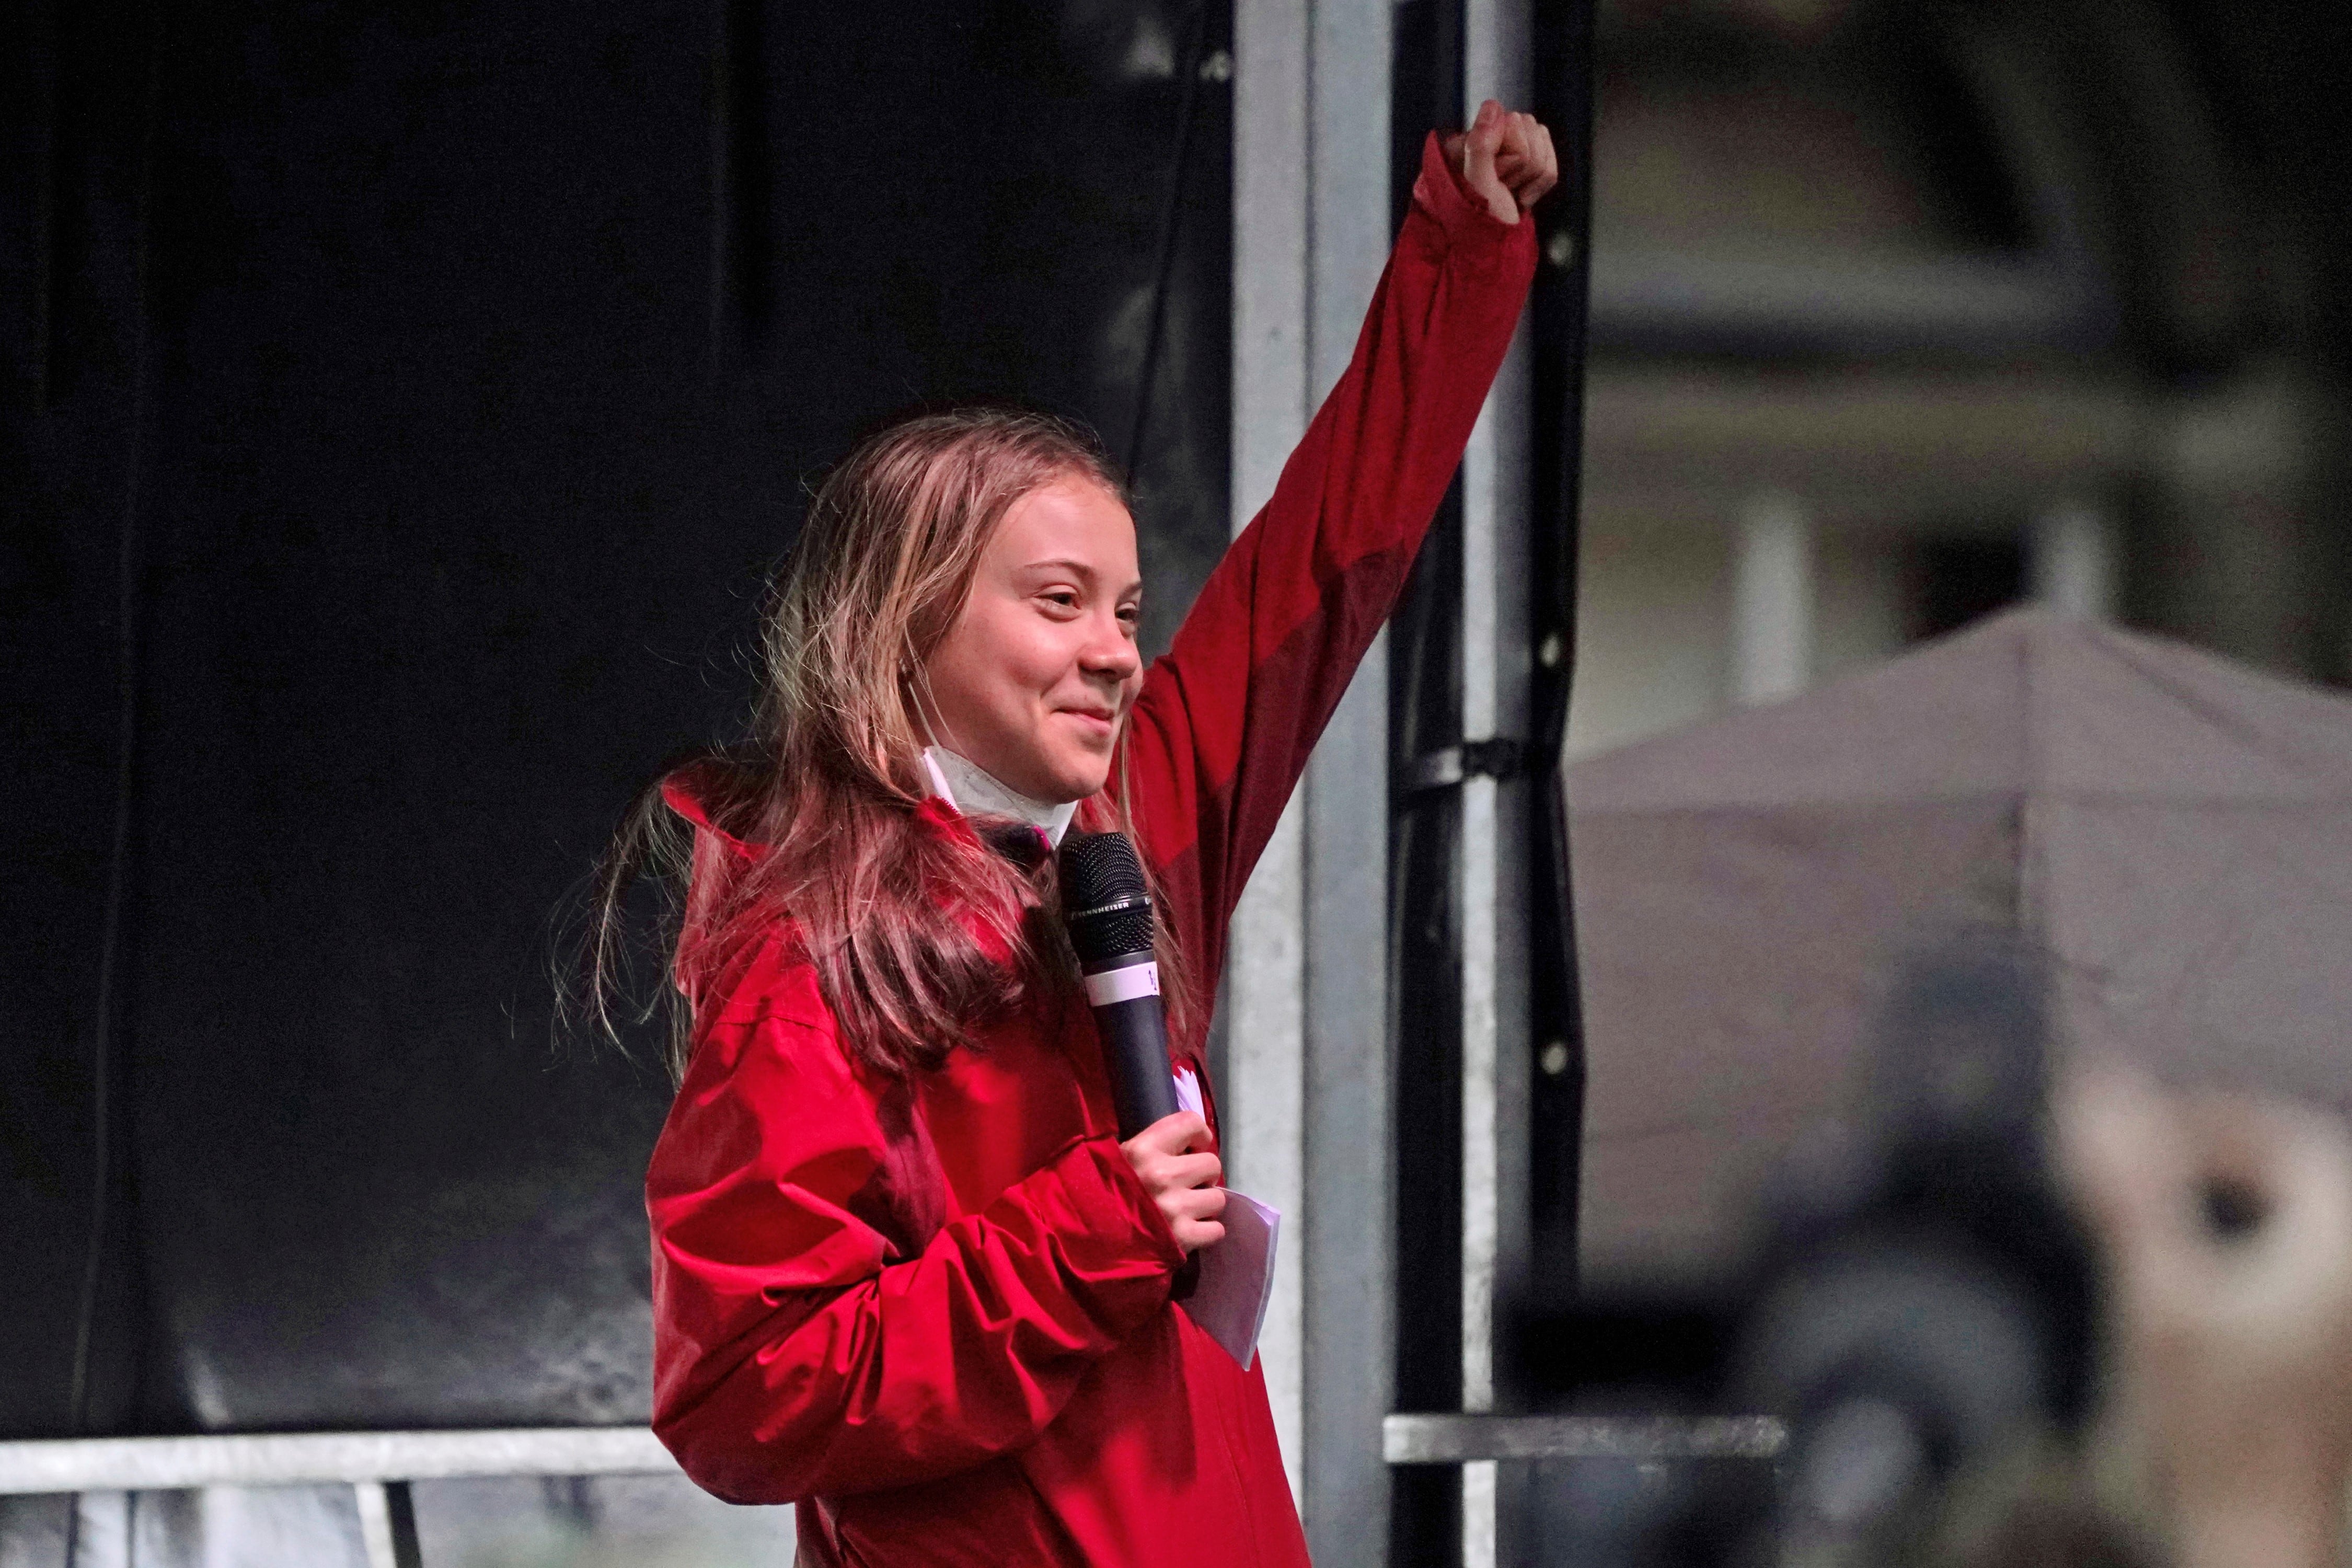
x: 1439, y: 192
x: 1116, y: 1246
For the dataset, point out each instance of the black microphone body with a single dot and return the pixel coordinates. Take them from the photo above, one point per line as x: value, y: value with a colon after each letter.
x: 1135, y: 1050
x: 1108, y: 905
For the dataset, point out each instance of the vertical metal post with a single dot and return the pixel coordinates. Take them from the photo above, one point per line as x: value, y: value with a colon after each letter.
x: 1560, y: 48
x: 1265, y: 976
x: 1306, y: 1011
x: 1425, y: 917
x: 387, y: 1524
x: 1771, y: 601
x: 2072, y: 557
x: 1482, y: 923
x: 1348, y: 1244
x: 99, y: 1527
x: 1496, y: 478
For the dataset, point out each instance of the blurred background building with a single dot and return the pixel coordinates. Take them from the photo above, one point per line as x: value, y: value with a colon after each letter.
x: 400, y: 409
x: 1903, y: 312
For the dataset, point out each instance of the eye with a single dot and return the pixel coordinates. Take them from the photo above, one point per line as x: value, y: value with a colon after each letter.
x: 1061, y: 598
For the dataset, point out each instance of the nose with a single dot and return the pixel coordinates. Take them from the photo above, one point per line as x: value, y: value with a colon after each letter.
x: 1110, y: 654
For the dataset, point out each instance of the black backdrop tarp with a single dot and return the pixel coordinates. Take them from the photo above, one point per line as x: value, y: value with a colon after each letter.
x: 2172, y: 830
x: 455, y: 401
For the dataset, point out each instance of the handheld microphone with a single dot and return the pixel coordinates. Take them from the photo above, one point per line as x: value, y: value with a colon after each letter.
x: 1108, y: 905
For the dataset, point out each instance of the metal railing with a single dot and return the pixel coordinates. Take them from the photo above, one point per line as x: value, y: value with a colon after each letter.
x: 1465, y: 1439
x: 380, y: 1466
x: 377, y: 1466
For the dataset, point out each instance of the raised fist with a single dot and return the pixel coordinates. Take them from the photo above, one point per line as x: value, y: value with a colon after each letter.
x: 1506, y: 160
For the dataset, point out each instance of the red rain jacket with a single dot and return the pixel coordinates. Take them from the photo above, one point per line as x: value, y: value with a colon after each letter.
x: 935, y: 1313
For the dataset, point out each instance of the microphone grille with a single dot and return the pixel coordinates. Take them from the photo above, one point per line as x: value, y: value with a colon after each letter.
x: 1099, y: 869
x: 1103, y: 895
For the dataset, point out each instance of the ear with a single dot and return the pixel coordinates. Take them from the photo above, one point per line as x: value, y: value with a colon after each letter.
x: 916, y: 703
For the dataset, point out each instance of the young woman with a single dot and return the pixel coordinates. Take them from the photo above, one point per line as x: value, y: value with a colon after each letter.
x: 904, y: 1275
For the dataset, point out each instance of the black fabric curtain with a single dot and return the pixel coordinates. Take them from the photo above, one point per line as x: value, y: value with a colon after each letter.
x: 401, y: 410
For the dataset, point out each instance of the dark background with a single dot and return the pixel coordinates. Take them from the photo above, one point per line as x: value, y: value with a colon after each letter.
x: 412, y: 403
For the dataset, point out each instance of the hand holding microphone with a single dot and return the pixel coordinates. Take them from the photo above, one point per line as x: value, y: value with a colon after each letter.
x: 1108, y: 905
x: 1170, y: 1158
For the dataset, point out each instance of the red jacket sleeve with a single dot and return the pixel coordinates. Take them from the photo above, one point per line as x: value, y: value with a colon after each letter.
x: 805, y: 1342
x: 1223, y: 725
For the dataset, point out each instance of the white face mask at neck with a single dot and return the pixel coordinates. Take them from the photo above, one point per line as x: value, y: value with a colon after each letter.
x: 973, y: 791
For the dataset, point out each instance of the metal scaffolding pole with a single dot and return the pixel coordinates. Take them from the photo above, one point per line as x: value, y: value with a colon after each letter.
x: 1484, y: 959
x: 1306, y: 1008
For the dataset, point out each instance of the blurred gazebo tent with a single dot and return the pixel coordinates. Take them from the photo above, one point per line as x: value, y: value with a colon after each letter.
x: 2173, y: 831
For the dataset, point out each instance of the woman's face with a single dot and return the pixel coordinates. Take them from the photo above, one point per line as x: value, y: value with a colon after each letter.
x: 1034, y: 677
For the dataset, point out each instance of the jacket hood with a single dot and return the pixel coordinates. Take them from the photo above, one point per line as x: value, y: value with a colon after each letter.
x: 695, y: 793
x: 718, y: 858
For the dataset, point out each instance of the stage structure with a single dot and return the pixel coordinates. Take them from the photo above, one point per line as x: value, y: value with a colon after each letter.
x: 1398, y: 1015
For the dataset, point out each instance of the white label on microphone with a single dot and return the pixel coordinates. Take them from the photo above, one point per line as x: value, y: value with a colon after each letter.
x: 1123, y: 984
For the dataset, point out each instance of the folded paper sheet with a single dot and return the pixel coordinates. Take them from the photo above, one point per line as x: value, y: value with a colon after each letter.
x: 1237, y: 1276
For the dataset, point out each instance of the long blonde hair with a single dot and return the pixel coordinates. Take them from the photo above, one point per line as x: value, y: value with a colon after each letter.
x: 916, y: 936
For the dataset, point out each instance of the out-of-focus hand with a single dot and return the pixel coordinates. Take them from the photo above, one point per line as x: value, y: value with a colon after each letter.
x: 2227, y: 1226
x: 1505, y: 158
x: 1172, y: 1159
